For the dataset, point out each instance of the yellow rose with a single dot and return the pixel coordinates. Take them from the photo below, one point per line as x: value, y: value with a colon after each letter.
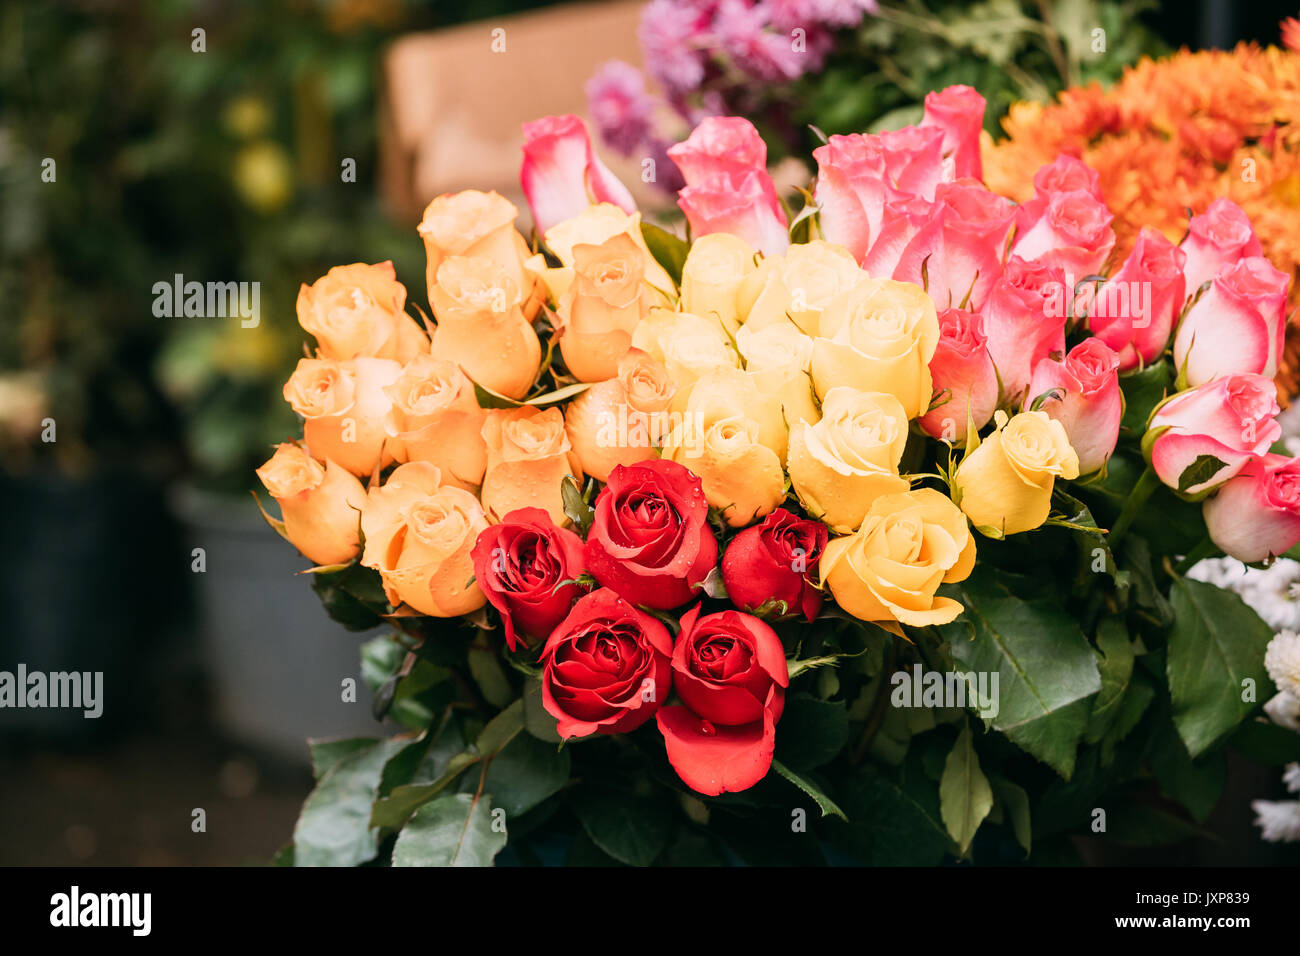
x: 797, y: 287
x: 688, y: 346
x: 843, y: 463
x: 603, y: 304
x: 528, y: 455
x: 419, y: 536
x: 879, y: 334
x: 734, y: 438
x: 623, y: 420
x: 482, y: 327
x: 593, y: 226
x: 479, y: 225
x: 1006, y: 483
x: 321, y: 506
x: 358, y: 311
x: 712, y: 276
x: 889, y: 569
x: 436, y: 418
x: 776, y: 358
x: 344, y: 406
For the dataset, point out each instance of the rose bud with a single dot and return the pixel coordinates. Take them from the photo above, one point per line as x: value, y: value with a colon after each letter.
x: 595, y: 226
x: 1134, y: 310
x: 730, y: 672
x: 796, y: 287
x: 623, y: 420
x: 519, y: 565
x: 605, y: 667
x: 321, y: 506
x: 720, y: 143
x: 650, y: 539
x: 477, y: 225
x: 436, y: 418
x: 1085, y: 398
x: 852, y: 190
x: 890, y: 569
x: 776, y: 560
x: 1238, y: 325
x: 1256, y: 515
x: 712, y: 275
x: 1064, y: 174
x: 528, y: 456
x: 358, y: 311
x: 1073, y: 233
x: 419, y: 536
x: 1024, y: 322
x: 736, y: 203
x: 959, y: 112
x: 344, y: 406
x: 1006, y: 483
x: 963, y: 369
x: 601, y: 307
x: 1230, y: 418
x: 1218, y: 237
x: 561, y: 173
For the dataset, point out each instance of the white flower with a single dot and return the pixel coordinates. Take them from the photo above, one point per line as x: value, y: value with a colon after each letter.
x: 1282, y: 659
x: 1291, y: 777
x: 1284, y: 710
x: 1280, y: 820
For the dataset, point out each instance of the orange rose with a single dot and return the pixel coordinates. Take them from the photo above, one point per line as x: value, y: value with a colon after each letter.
x: 357, y: 311
x: 419, y: 536
x: 321, y: 506
x: 477, y: 224
x: 482, y: 327
x: 344, y: 405
x: 601, y: 307
x: 528, y: 455
x: 436, y: 418
x: 622, y: 420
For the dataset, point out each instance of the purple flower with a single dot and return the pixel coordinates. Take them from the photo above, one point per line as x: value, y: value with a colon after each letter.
x: 788, y: 14
x: 671, y: 33
x: 620, y: 106
x: 741, y: 30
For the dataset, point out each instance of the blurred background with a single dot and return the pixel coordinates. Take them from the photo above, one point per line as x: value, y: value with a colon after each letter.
x: 265, y: 142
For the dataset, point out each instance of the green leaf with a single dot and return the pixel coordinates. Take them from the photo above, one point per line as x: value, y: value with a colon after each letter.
x: 891, y: 825
x: 1016, y: 802
x: 825, y: 803
x: 1216, y: 645
x: 325, y: 753
x: 392, y: 812
x: 525, y: 773
x: 537, y: 721
x: 1046, y: 668
x: 457, y: 829
x: 1115, y: 655
x: 812, y: 731
x: 577, y: 510
x: 485, y: 668
x: 1267, y: 743
x: 631, y: 829
x: 1198, y: 784
x: 668, y: 250
x: 1143, y: 391
x: 334, y: 826
x: 965, y: 797
x: 1204, y: 468
x: 500, y: 730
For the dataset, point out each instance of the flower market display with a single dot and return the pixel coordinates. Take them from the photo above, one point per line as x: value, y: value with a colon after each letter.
x: 851, y: 534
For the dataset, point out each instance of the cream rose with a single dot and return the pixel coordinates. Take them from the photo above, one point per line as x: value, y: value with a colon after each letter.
x: 712, y: 276
x: 358, y: 311
x: 344, y: 406
x: 798, y: 286
x: 528, y: 455
x: 436, y: 418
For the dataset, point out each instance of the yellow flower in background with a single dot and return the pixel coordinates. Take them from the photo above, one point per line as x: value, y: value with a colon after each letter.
x: 263, y: 175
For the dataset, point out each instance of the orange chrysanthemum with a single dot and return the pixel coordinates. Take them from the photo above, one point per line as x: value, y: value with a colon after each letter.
x: 1175, y: 134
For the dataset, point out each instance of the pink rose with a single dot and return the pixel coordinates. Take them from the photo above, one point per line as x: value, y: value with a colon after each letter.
x: 961, y: 366
x: 1134, y: 310
x: 1217, y: 237
x: 1064, y: 174
x: 561, y: 173
x: 959, y: 112
x: 1073, y: 233
x: 736, y: 203
x: 1230, y: 418
x: 914, y: 159
x: 1237, y: 325
x: 1256, y: 515
x: 1024, y: 321
x: 720, y: 144
x: 1088, y: 405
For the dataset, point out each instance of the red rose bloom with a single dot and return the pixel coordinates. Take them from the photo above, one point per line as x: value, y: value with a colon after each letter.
x: 605, y: 667
x: 776, y: 560
x: 518, y: 564
x: 729, y: 670
x: 650, y: 540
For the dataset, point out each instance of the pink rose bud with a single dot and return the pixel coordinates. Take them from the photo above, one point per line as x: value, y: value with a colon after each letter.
x: 1216, y: 238
x: 720, y: 143
x: 1134, y: 310
x: 959, y: 112
x: 1024, y: 320
x: 961, y: 367
x: 1083, y: 395
x: 1237, y: 325
x: 1230, y: 419
x: 1256, y: 515
x: 1062, y: 175
x: 1073, y: 233
x: 561, y: 173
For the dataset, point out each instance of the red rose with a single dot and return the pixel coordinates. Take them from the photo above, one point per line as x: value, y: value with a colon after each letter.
x: 650, y: 540
x: 605, y: 667
x: 518, y: 564
x: 776, y: 560
x: 729, y: 670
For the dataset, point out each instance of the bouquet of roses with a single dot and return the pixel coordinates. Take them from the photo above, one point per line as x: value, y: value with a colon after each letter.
x: 683, y: 539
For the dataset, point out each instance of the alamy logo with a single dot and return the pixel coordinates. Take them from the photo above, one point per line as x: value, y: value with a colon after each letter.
x: 58, y: 689
x: 208, y: 300
x: 919, y: 688
x: 74, y: 908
